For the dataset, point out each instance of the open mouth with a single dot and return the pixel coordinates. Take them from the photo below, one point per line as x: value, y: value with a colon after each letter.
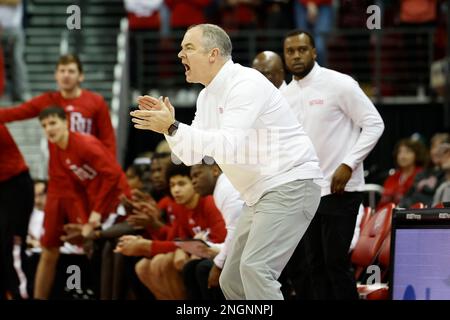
x: 186, y: 67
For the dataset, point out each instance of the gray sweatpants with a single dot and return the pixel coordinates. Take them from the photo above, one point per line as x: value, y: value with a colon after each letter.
x: 266, y: 236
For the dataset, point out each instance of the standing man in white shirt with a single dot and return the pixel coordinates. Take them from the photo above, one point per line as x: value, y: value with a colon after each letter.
x: 344, y: 126
x: 246, y: 125
x: 201, y: 275
x: 271, y: 66
x: 11, y: 33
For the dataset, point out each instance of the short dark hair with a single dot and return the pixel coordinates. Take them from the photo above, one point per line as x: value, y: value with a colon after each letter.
x: 70, y: 58
x: 298, y: 32
x: 419, y: 149
x: 177, y: 170
x: 52, y: 111
x: 141, y: 170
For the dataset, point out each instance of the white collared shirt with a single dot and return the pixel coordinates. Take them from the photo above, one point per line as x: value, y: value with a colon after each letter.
x: 283, y: 86
x: 229, y: 202
x: 340, y: 119
x: 11, y: 16
x: 246, y: 125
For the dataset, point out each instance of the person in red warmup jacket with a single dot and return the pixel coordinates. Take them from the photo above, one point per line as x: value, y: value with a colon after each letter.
x: 190, y: 216
x: 90, y: 168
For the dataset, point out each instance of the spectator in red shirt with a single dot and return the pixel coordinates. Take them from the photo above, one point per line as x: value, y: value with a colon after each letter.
x: 16, y: 205
x: 190, y: 216
x: 184, y: 13
x: 87, y: 112
x: 410, y: 157
x: 144, y: 14
x: 240, y: 14
x: 91, y: 169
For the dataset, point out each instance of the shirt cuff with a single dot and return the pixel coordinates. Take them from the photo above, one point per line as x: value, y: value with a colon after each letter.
x: 351, y: 163
x: 162, y: 247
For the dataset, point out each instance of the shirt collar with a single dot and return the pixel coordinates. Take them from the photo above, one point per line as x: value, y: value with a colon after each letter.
x: 218, y: 182
x: 309, y: 77
x: 216, y: 85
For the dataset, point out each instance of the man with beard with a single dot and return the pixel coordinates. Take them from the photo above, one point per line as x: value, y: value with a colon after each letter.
x: 344, y: 126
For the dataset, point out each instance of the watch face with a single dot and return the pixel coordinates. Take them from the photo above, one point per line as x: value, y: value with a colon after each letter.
x: 173, y: 128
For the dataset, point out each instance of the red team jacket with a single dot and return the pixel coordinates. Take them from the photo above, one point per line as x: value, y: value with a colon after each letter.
x: 88, y: 113
x: 11, y: 160
x: 90, y: 165
x: 184, y: 221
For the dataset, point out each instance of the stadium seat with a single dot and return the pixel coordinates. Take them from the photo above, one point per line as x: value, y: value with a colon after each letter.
x: 382, y: 293
x: 418, y: 205
x: 379, y: 291
x: 366, y: 217
x: 371, y: 239
x: 440, y: 205
x: 385, y: 250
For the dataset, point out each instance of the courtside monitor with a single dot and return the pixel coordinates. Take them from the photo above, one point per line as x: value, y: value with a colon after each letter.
x: 420, y: 254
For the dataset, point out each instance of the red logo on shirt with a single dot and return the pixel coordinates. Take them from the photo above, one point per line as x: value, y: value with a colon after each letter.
x: 316, y: 102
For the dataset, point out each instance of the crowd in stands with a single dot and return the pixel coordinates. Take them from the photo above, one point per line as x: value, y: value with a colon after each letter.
x: 420, y: 173
x: 160, y: 230
x: 316, y: 15
x: 338, y: 26
x: 319, y: 17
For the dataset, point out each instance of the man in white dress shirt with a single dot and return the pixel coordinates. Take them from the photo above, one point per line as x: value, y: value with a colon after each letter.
x: 344, y: 126
x: 271, y: 66
x: 246, y: 125
x: 12, y: 34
